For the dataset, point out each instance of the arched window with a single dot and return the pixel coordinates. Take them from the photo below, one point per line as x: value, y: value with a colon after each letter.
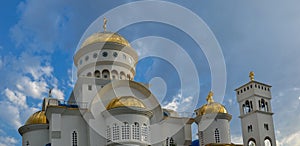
x: 108, y: 134
x: 105, y: 74
x: 267, y: 141
x: 217, y: 136
x: 97, y: 73
x: 170, y: 141
x: 251, y: 142
x: 125, y: 131
x: 136, y: 131
x: 267, y: 107
x: 122, y: 75
x: 247, y: 107
x: 244, y: 109
x: 144, y: 132
x: 74, y: 138
x: 116, y: 132
x: 263, y: 105
x: 114, y: 75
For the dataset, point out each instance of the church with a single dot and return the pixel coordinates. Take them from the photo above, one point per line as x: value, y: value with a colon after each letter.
x: 108, y: 108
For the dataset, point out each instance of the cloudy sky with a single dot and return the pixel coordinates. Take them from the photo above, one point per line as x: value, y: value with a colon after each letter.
x: 38, y: 40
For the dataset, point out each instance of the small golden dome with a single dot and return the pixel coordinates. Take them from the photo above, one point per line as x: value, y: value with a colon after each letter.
x: 38, y: 117
x: 125, y: 101
x: 103, y: 37
x: 211, y: 107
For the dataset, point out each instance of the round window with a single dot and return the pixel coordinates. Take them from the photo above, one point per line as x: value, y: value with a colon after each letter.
x: 95, y: 55
x: 86, y: 58
x: 115, y: 54
x: 104, y: 54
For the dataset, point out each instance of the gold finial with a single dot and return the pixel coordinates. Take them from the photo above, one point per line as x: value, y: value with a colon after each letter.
x: 209, y: 97
x: 251, y: 76
x: 104, y: 24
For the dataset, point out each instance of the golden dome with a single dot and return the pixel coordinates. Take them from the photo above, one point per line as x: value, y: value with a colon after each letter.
x: 211, y: 107
x: 125, y: 101
x: 37, y: 118
x: 102, y: 37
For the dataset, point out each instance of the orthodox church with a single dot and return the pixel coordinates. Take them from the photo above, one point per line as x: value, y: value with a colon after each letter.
x: 108, y: 108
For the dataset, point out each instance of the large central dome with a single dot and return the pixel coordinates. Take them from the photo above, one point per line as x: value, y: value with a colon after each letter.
x: 104, y: 37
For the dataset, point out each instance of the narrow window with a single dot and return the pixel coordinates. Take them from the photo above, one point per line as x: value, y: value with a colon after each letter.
x: 250, y: 128
x: 116, y: 132
x: 90, y: 87
x: 144, y: 132
x: 108, y: 134
x: 266, y: 126
x: 217, y: 136
x: 201, y: 137
x: 125, y: 131
x: 136, y: 131
x: 74, y: 138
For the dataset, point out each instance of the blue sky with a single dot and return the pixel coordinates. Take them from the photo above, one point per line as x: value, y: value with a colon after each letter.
x: 38, y: 40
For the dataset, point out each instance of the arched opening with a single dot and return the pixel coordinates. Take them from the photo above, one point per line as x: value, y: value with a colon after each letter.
x: 114, y: 75
x: 251, y: 142
x: 267, y: 107
x: 105, y: 74
x: 263, y: 105
x: 267, y: 142
x: 125, y: 131
x: 74, y: 138
x: 97, y: 73
x: 122, y: 75
x: 217, y: 135
x: 247, y: 107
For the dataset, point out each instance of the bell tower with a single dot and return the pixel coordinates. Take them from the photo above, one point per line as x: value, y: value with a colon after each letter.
x: 256, y: 114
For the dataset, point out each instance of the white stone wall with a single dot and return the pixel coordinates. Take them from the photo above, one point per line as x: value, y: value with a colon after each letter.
x: 39, y: 137
x: 208, y: 128
x: 62, y: 126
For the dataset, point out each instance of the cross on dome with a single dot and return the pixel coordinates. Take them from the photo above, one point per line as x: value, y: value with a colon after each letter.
x: 209, y: 97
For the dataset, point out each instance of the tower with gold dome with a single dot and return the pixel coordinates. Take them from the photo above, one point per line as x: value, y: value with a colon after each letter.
x: 213, y: 123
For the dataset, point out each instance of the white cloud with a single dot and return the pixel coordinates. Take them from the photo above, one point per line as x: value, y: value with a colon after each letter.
x: 7, y: 141
x: 16, y: 98
x: 10, y: 114
x: 290, y: 140
x: 184, y: 105
x: 56, y: 93
x: 32, y: 88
